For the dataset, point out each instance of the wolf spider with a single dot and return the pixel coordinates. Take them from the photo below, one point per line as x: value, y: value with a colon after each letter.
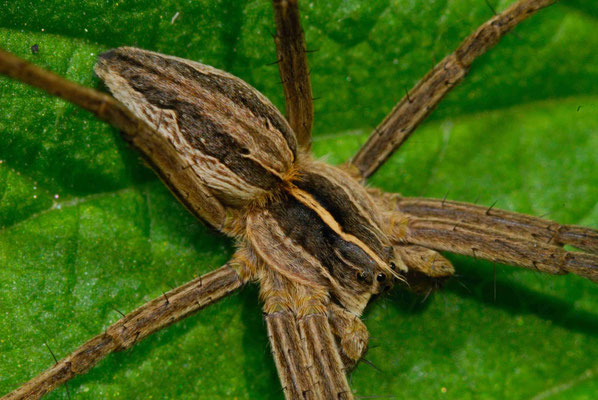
x: 326, y: 336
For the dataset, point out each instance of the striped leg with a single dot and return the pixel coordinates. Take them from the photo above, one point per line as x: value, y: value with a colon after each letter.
x: 184, y: 183
x: 294, y: 73
x: 289, y: 356
x: 530, y: 228
x: 323, y: 357
x: 421, y: 100
x: 479, y: 241
x: 305, y: 352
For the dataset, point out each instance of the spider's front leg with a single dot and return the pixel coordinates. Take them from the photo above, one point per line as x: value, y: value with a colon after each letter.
x: 291, y: 363
x: 151, y: 317
x: 496, y: 235
x: 303, y: 346
x: 510, y: 223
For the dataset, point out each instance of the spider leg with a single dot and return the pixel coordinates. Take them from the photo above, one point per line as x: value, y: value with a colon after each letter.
x: 183, y: 183
x: 307, y: 359
x: 527, y: 227
x: 480, y: 242
x: 303, y: 346
x: 292, y: 66
x: 290, y: 359
x: 323, y: 355
x: 419, y: 102
x: 102, y: 105
x: 151, y: 317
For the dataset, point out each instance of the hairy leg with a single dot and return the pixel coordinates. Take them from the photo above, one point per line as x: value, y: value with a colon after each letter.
x: 102, y: 105
x: 410, y: 112
x: 305, y: 352
x: 510, y: 223
x: 480, y: 242
x: 281, y: 297
x: 323, y: 357
x: 294, y: 73
x: 151, y: 317
x: 183, y: 183
x: 289, y: 356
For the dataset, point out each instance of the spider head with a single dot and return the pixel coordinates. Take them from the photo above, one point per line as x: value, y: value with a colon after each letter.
x: 359, y: 272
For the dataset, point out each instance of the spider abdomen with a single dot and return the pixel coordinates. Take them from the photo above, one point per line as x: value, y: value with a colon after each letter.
x: 221, y: 129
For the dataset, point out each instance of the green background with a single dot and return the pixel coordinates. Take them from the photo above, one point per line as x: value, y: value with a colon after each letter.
x: 86, y: 228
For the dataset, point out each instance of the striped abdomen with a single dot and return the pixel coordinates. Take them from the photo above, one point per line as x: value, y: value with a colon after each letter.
x: 233, y: 139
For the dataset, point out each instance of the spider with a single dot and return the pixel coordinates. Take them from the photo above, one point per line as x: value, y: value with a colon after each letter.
x: 119, y: 306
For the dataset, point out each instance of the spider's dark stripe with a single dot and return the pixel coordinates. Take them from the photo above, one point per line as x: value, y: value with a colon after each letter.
x: 240, y: 94
x: 235, y: 89
x: 306, y: 229
x: 341, y: 207
x: 194, y: 123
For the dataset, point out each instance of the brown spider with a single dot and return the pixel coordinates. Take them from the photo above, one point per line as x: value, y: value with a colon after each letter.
x: 478, y: 231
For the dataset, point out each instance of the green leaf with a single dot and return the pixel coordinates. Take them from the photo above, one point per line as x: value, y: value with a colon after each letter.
x: 85, y: 228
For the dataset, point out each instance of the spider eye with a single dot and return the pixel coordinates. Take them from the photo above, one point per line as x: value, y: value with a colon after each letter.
x: 393, y: 266
x: 381, y: 277
x: 364, y: 276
